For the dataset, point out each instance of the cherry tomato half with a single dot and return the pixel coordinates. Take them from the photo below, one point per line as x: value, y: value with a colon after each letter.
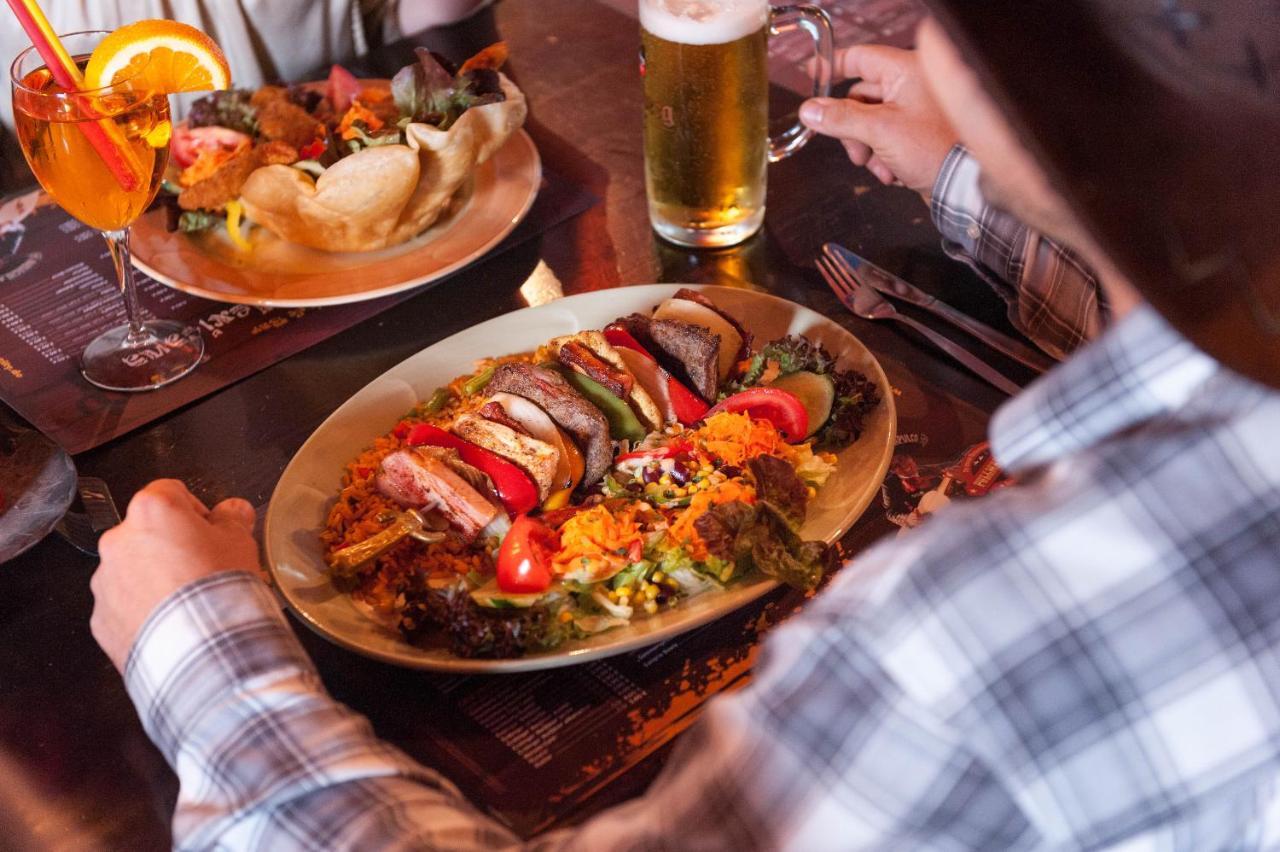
x: 784, y: 410
x: 524, y: 559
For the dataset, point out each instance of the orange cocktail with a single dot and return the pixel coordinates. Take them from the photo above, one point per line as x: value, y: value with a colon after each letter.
x: 48, y: 120
x: 95, y: 131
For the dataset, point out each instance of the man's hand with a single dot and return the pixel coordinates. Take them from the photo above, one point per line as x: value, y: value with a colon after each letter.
x: 890, y: 122
x: 168, y: 539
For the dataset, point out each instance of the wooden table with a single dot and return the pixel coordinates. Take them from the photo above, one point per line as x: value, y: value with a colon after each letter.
x: 76, y: 770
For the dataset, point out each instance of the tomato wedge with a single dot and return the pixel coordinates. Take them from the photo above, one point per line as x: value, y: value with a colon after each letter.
x: 784, y: 410
x: 515, y: 488
x: 687, y: 406
x: 341, y: 88
x: 186, y: 143
x: 524, y: 559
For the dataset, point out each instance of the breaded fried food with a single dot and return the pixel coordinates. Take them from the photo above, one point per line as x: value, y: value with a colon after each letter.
x: 281, y: 119
x: 228, y: 179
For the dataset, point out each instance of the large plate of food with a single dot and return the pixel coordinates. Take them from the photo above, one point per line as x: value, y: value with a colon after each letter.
x: 583, y: 478
x: 338, y: 191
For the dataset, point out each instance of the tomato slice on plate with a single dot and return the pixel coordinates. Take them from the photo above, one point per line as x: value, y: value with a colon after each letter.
x: 524, y: 559
x: 784, y: 410
x: 187, y: 142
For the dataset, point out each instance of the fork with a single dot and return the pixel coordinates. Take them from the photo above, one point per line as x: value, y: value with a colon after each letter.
x: 82, y: 529
x: 868, y: 304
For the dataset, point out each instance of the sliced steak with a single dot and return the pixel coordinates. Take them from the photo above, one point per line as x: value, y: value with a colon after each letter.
x: 695, y: 349
x: 694, y: 296
x: 637, y: 325
x: 568, y: 408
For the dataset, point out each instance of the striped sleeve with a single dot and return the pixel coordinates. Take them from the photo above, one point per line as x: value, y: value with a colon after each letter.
x: 1053, y: 298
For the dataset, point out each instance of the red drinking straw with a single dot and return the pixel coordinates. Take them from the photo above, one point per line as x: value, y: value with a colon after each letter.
x: 67, y: 75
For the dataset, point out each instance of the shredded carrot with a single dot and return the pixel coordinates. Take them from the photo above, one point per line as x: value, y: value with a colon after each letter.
x: 597, y: 541
x: 683, y: 530
x: 358, y: 112
x: 736, y: 438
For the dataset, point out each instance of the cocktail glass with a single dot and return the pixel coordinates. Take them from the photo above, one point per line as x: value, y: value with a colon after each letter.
x: 141, y: 354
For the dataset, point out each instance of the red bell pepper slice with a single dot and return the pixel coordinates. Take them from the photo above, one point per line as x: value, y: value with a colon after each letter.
x: 524, y: 559
x: 688, y: 407
x: 619, y: 336
x: 311, y: 150
x: 515, y: 488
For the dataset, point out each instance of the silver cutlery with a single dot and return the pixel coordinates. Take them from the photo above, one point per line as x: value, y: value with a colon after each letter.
x: 867, y: 273
x: 83, y: 529
x: 868, y: 304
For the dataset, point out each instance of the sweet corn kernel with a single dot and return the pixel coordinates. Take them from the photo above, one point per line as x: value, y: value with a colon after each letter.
x: 665, y: 479
x: 658, y: 577
x: 613, y: 594
x: 726, y: 574
x: 651, y: 592
x: 622, y: 595
x: 813, y: 492
x: 705, y: 467
x: 679, y: 491
x: 651, y: 607
x: 623, y: 589
x: 565, y: 616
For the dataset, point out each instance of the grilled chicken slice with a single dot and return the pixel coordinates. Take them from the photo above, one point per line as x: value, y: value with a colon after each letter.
x: 417, y: 478
x: 594, y: 341
x: 536, y: 458
x: 571, y: 412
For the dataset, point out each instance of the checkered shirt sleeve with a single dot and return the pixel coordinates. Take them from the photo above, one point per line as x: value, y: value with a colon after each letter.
x: 1087, y: 659
x: 1052, y: 296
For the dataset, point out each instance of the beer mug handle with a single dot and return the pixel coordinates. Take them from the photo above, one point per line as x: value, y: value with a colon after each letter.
x: 814, y: 21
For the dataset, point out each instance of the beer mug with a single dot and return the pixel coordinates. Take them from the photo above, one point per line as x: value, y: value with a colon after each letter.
x: 706, y: 112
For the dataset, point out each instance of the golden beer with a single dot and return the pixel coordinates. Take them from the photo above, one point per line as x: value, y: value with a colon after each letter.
x: 705, y: 66
x: 706, y: 116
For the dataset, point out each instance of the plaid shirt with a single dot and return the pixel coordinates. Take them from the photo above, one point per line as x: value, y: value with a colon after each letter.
x: 1053, y: 298
x: 1091, y: 657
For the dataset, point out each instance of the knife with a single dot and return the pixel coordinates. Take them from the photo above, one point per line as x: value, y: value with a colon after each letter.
x: 870, y: 275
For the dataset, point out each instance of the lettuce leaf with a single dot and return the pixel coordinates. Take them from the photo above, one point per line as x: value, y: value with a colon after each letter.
x: 757, y: 537
x: 429, y: 91
x: 779, y: 488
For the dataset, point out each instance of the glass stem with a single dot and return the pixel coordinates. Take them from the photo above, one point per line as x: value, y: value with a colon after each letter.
x: 118, y: 245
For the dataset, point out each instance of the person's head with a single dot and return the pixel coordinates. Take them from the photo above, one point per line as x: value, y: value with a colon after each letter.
x: 1146, y: 134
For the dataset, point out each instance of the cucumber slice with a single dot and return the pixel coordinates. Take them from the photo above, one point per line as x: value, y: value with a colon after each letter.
x: 816, y: 392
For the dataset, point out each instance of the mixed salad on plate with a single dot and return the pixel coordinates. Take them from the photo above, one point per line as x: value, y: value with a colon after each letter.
x: 609, y: 474
x: 343, y: 166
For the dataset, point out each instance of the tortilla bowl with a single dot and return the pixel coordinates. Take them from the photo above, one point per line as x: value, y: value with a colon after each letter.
x: 383, y: 195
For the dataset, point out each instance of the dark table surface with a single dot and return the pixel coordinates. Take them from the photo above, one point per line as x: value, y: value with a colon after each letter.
x: 76, y: 770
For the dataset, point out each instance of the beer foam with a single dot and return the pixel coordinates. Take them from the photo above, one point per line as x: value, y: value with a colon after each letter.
x: 703, y: 21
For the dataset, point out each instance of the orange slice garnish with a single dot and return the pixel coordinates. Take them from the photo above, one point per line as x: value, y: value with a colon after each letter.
x: 165, y: 57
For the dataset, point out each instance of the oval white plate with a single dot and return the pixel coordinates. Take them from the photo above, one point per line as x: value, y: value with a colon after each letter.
x: 280, y: 274
x: 309, y: 484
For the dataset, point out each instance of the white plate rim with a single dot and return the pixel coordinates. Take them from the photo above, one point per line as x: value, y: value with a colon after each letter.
x: 697, y: 611
x: 535, y: 182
